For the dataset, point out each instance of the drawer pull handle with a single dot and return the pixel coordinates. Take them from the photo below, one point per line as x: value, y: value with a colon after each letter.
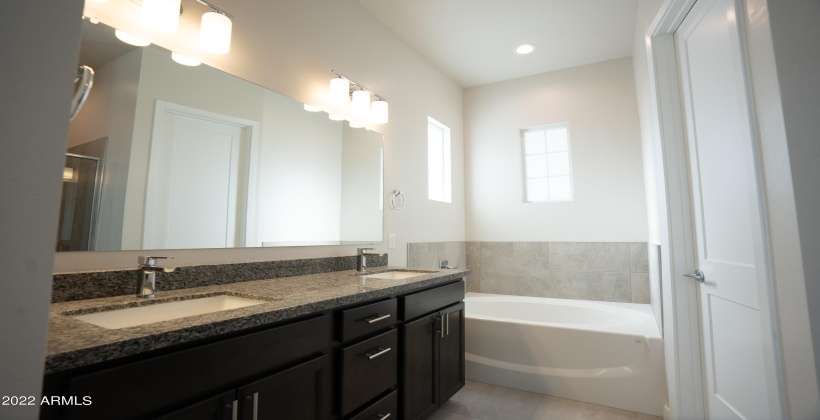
x: 377, y: 319
x: 383, y: 416
x: 380, y: 351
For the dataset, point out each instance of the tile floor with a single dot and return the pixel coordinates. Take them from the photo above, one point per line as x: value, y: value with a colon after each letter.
x: 479, y: 401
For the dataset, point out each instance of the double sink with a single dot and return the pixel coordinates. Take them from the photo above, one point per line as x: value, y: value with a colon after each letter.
x: 157, y: 311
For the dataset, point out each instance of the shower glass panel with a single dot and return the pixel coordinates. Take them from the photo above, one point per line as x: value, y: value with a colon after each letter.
x: 79, y: 204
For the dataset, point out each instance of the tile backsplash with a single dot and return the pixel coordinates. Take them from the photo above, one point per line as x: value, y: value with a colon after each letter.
x: 605, y: 271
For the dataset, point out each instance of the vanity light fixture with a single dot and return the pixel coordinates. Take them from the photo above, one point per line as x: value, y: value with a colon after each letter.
x: 339, y: 93
x: 360, y: 106
x: 378, y: 113
x: 185, y: 61
x: 311, y: 108
x: 161, y: 15
x: 215, y: 30
x: 130, y: 39
x: 362, y: 110
x: 336, y: 117
x: 525, y: 49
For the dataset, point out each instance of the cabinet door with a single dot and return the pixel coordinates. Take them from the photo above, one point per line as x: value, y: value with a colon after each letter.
x: 419, y: 368
x: 298, y: 393
x: 451, y: 352
x: 219, y: 407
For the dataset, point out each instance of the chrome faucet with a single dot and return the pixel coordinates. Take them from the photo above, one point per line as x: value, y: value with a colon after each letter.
x: 361, y: 258
x: 147, y: 274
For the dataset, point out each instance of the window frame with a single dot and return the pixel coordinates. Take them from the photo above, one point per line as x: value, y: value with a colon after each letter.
x: 524, y: 179
x: 447, y: 162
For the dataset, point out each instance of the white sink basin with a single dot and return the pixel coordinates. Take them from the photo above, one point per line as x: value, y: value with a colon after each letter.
x: 394, y: 275
x: 141, y: 315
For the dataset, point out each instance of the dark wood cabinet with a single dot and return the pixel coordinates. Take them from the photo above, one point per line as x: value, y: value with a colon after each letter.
x: 451, y: 352
x: 418, y: 392
x: 399, y: 356
x: 433, y: 363
x: 220, y: 407
x: 302, y: 392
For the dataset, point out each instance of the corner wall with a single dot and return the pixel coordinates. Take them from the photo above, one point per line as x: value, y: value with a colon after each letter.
x: 36, y: 76
x: 598, y: 101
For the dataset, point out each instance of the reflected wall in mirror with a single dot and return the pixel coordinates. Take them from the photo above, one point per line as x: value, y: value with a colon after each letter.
x: 192, y: 157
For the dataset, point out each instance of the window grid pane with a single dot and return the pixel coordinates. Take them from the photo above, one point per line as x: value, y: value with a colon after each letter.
x: 547, y: 168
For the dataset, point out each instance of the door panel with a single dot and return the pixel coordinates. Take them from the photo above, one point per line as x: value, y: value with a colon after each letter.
x: 727, y: 224
x: 196, y: 183
x: 419, y: 368
x: 451, y: 353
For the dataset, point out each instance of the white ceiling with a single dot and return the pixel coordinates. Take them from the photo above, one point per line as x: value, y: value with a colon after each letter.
x: 473, y: 41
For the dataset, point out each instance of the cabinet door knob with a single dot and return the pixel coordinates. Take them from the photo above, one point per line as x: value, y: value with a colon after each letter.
x: 379, y: 351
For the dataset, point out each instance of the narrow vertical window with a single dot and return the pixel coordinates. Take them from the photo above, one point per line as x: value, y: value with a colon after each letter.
x: 438, y: 161
x: 547, y: 164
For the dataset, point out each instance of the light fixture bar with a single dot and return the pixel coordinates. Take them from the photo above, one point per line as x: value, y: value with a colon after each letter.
x: 353, y: 84
x: 216, y: 9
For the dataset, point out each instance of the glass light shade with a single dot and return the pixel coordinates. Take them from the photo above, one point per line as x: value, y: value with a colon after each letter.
x: 339, y: 91
x: 335, y: 117
x: 130, y: 39
x: 311, y: 108
x: 356, y: 124
x: 185, y: 61
x: 360, y: 107
x: 215, y: 33
x: 160, y: 15
x: 378, y: 112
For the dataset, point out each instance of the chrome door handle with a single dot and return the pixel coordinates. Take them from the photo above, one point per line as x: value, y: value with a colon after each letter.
x: 448, y: 324
x: 377, y: 319
x: 380, y: 351
x: 697, y: 275
x: 442, y: 326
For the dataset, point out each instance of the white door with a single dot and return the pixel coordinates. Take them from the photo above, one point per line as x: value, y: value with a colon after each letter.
x: 739, y: 379
x: 196, y: 183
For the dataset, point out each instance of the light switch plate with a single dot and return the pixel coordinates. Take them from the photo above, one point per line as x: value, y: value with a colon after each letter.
x: 391, y: 240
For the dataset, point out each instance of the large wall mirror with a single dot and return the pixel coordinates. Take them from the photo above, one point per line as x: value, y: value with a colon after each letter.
x: 167, y: 156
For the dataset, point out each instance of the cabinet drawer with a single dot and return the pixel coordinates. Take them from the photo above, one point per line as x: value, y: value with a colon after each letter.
x: 157, y: 384
x: 430, y: 300
x: 385, y: 408
x: 368, y: 369
x: 367, y: 319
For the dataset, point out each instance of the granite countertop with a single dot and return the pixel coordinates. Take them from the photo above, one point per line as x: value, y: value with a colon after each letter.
x: 73, y: 343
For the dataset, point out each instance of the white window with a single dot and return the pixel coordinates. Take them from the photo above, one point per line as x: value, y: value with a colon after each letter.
x: 547, y: 164
x: 438, y: 161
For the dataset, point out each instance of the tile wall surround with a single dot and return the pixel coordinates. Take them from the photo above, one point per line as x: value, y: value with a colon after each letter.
x: 79, y: 286
x: 603, y: 271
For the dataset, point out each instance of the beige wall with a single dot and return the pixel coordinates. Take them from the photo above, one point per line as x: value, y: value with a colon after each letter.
x: 290, y: 47
x: 598, y: 102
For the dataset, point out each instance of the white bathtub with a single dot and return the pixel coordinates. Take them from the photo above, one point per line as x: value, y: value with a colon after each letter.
x: 599, y: 352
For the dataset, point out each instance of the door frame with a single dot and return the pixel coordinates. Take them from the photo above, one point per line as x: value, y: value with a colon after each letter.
x: 680, y: 294
x: 249, y: 164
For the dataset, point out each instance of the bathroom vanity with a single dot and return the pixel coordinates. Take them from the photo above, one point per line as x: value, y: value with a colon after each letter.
x: 323, y: 346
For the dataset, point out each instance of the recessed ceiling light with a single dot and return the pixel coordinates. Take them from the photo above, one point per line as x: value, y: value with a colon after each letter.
x: 525, y: 49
